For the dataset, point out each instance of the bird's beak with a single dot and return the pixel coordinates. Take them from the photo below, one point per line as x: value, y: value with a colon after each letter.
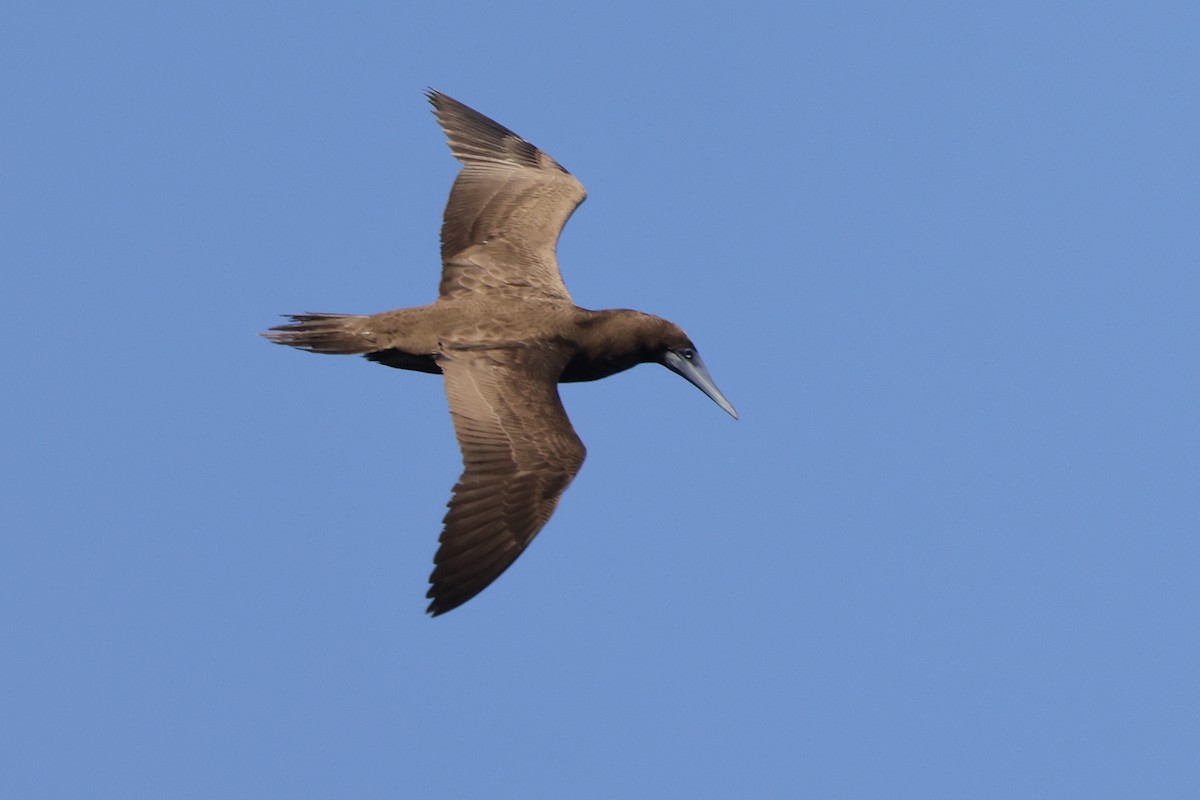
x: 693, y: 369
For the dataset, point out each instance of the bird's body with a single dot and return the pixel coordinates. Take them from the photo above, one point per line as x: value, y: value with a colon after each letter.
x: 503, y: 333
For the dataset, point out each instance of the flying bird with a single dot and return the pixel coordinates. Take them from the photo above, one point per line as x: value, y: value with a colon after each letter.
x: 503, y: 333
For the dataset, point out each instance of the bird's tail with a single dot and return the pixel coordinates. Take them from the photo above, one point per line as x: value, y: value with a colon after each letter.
x: 336, y: 334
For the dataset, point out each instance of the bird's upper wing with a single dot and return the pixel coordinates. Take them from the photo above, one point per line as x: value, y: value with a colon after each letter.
x: 506, y: 209
x: 519, y: 455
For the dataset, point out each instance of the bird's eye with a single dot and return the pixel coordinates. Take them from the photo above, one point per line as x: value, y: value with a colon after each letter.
x: 688, y: 353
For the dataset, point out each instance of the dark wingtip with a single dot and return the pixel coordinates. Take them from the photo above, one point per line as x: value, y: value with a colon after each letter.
x: 440, y: 606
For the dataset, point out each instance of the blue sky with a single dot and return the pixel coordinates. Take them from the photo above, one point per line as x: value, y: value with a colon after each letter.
x: 943, y: 258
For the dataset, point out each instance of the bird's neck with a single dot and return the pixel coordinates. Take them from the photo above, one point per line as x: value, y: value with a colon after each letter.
x: 608, y: 342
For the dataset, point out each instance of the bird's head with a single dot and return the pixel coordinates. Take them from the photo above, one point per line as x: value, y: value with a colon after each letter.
x: 675, y: 351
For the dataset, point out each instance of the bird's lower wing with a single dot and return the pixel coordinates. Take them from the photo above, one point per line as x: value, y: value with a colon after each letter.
x: 520, y: 453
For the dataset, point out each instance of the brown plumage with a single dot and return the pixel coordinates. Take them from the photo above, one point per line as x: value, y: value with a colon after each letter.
x: 503, y: 333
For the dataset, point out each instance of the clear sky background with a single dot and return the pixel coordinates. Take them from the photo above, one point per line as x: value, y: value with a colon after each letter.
x: 944, y: 258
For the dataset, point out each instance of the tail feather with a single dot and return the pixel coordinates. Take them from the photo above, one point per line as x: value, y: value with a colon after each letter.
x: 336, y: 334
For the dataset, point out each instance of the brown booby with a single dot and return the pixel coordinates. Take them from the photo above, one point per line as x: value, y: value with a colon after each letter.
x: 504, y: 333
